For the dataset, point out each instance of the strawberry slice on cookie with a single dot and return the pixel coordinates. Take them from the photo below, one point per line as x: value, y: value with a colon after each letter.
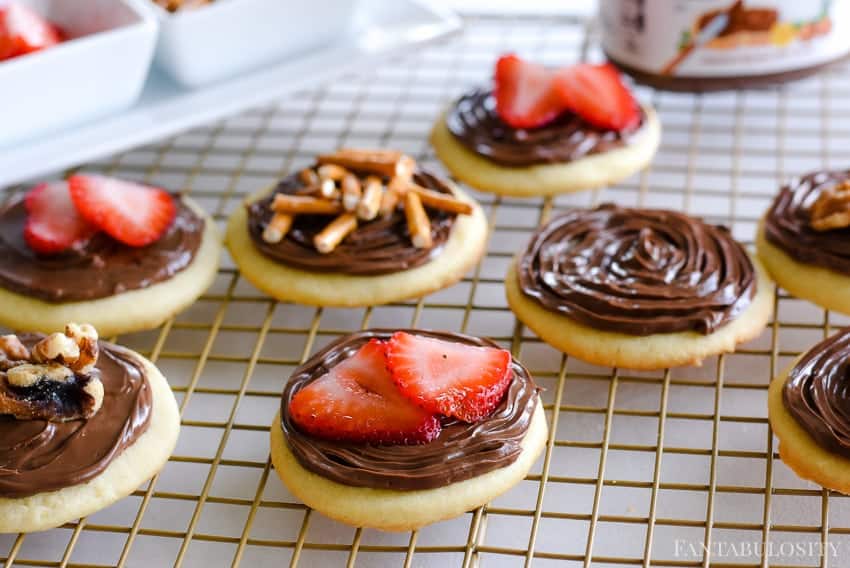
x: 466, y: 382
x: 53, y: 224
x: 134, y: 214
x: 357, y: 401
x: 529, y: 95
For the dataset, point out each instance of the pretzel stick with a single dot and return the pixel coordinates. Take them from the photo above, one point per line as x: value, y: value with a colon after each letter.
x: 442, y: 201
x: 328, y: 188
x: 335, y: 232
x: 389, y: 201
x: 302, y: 204
x: 368, y: 207
x: 277, y: 228
x: 309, y: 177
x: 331, y: 171
x: 387, y: 163
x: 417, y: 221
x: 351, y: 192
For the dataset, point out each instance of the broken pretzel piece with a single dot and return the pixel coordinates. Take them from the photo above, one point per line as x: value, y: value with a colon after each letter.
x: 368, y: 207
x: 335, y: 232
x: 278, y: 226
x: 57, y: 382
x: 831, y: 210
x: 301, y: 204
x: 442, y: 201
x: 417, y: 221
x: 387, y: 163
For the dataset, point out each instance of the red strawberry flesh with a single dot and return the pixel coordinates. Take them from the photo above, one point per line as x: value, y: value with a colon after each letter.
x: 449, y: 378
x: 525, y: 93
x: 53, y: 224
x: 356, y: 401
x: 22, y: 31
x: 134, y: 214
x: 597, y: 94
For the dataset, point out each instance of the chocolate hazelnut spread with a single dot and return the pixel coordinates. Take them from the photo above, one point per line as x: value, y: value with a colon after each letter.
x: 787, y: 223
x: 102, y: 267
x: 376, y: 247
x: 711, y: 45
x: 38, y: 456
x: 816, y: 393
x: 460, y: 452
x: 474, y: 123
x: 638, y: 271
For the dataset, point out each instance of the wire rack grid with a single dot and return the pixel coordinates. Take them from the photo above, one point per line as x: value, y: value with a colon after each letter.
x: 672, y: 468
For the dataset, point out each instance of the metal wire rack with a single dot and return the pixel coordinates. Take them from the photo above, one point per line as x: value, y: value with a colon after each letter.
x: 673, y: 468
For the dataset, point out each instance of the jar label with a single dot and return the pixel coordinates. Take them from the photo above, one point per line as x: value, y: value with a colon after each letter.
x: 711, y: 38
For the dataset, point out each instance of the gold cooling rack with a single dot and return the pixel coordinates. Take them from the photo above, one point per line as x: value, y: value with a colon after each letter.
x: 673, y: 468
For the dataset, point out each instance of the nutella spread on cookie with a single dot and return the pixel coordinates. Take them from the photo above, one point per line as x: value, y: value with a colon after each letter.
x: 101, y: 267
x: 461, y: 450
x: 816, y: 393
x: 638, y: 271
x: 474, y: 122
x: 37, y: 455
x: 787, y: 224
x: 379, y: 246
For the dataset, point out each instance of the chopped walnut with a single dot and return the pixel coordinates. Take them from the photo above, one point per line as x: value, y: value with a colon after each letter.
x: 56, y: 381
x: 831, y: 210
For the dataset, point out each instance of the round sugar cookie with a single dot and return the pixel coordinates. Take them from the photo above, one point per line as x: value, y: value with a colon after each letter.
x: 649, y: 352
x: 287, y: 283
x: 822, y: 286
x: 136, y: 464
x: 590, y: 172
x: 134, y: 310
x: 393, y: 510
x: 798, y: 449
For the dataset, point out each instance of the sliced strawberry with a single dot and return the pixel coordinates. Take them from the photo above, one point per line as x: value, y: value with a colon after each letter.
x: 356, y: 401
x: 134, y: 214
x: 449, y: 378
x: 22, y: 30
x: 525, y: 93
x: 53, y: 223
x: 597, y: 94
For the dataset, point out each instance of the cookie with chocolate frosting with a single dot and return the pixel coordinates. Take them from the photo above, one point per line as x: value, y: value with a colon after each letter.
x: 803, y: 238
x: 359, y: 227
x: 83, y: 423
x: 117, y: 287
x: 405, y: 486
x: 638, y: 288
x: 809, y: 411
x: 565, y: 155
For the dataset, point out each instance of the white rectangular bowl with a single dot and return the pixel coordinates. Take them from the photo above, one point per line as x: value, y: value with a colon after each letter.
x: 227, y: 37
x: 99, y: 70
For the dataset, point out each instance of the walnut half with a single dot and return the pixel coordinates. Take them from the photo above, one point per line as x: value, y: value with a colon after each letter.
x: 831, y: 210
x: 57, y: 382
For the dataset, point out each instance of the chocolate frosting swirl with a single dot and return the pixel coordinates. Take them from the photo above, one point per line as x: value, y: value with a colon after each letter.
x: 460, y: 452
x: 474, y: 123
x: 817, y: 393
x: 38, y: 456
x: 638, y: 271
x: 786, y: 224
x: 381, y: 246
x: 102, y: 267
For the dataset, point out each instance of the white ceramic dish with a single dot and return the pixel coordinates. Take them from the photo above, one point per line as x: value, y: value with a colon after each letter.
x: 380, y: 28
x: 100, y: 70
x: 197, y: 46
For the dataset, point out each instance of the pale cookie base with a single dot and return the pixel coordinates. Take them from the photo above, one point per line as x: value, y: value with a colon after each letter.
x: 135, y: 310
x: 659, y: 351
x: 591, y: 172
x: 824, y: 287
x: 799, y: 450
x: 135, y: 465
x: 460, y: 253
x: 392, y: 510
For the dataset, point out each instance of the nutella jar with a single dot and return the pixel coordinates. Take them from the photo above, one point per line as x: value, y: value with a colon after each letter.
x: 706, y: 45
